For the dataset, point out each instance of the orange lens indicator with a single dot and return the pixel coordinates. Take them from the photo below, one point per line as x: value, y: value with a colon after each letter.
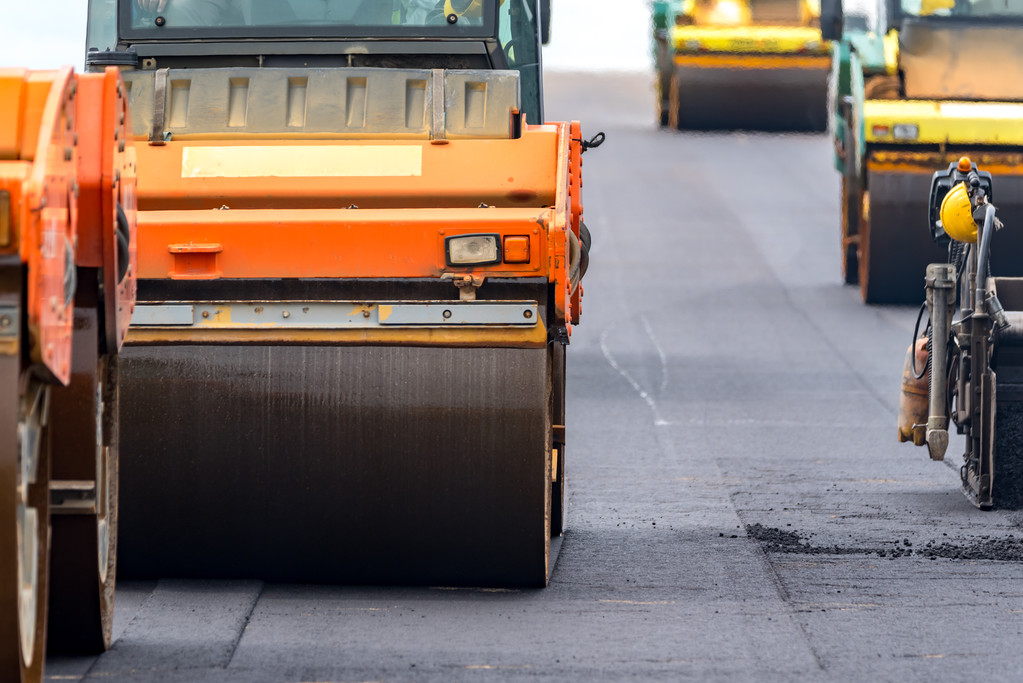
x: 516, y: 249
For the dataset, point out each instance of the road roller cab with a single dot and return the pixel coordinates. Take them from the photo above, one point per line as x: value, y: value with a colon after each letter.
x: 360, y: 253
x: 740, y: 64
x: 926, y: 83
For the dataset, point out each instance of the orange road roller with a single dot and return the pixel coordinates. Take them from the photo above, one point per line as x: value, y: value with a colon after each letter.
x: 67, y: 287
x: 360, y: 254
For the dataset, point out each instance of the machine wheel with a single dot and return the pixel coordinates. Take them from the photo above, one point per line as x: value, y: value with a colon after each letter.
x: 662, y: 82
x: 377, y: 464
x: 852, y: 201
x: 895, y: 246
x: 873, y: 266
x: 558, y: 447
x: 1007, y: 483
x: 24, y: 500
x: 675, y: 101
x: 662, y: 87
x: 24, y: 541
x: 84, y: 545
x: 817, y: 118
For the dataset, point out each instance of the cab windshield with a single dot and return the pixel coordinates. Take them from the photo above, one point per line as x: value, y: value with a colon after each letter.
x: 1000, y: 10
x: 306, y: 18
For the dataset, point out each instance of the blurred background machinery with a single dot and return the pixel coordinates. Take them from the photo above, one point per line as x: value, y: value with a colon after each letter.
x: 757, y: 64
x: 912, y: 89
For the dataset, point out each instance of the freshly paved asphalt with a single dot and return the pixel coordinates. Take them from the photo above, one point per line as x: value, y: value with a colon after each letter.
x: 723, y: 378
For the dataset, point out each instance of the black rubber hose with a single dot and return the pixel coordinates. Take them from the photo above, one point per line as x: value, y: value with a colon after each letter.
x: 584, y: 242
x: 123, y: 234
x: 916, y: 335
x: 575, y: 252
x: 70, y: 274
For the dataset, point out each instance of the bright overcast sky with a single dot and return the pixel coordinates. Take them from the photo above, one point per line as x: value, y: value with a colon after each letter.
x: 591, y: 35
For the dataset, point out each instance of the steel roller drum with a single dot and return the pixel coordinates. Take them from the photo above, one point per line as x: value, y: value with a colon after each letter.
x: 775, y: 100
x: 897, y: 246
x: 380, y: 465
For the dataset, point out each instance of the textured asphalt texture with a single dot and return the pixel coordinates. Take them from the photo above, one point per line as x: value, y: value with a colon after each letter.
x: 739, y: 507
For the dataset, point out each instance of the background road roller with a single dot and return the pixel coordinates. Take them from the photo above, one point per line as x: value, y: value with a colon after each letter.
x: 67, y: 286
x: 967, y: 366
x: 928, y: 82
x: 757, y: 64
x: 360, y: 248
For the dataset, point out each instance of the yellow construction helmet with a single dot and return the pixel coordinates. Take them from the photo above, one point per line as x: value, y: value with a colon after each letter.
x: 957, y: 215
x: 471, y: 9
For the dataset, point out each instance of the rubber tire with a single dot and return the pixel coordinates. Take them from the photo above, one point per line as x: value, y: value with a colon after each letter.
x: 81, y: 594
x: 12, y: 664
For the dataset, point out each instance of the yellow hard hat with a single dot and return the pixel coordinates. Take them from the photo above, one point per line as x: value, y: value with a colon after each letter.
x: 957, y: 215
x: 472, y: 9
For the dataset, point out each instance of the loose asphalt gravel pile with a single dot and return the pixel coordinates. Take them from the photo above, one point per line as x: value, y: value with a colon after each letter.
x: 1006, y: 549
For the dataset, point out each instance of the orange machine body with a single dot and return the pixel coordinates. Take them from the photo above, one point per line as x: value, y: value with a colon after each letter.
x: 37, y: 173
x: 256, y: 208
x: 53, y: 198
x: 107, y: 196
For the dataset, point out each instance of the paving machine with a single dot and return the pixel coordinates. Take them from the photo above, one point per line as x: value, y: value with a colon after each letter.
x: 926, y: 83
x: 360, y: 249
x: 968, y: 363
x: 758, y: 64
x: 67, y: 286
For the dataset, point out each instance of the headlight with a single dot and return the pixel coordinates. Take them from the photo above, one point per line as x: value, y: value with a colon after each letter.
x: 472, y: 250
x: 905, y: 131
x: 726, y: 12
x: 692, y: 45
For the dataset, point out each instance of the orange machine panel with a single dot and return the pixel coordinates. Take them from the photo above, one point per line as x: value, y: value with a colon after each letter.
x: 328, y: 243
x: 41, y: 213
x: 12, y: 94
x: 107, y: 197
x: 255, y: 174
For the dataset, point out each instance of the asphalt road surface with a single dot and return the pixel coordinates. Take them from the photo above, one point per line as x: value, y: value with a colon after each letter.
x: 739, y: 508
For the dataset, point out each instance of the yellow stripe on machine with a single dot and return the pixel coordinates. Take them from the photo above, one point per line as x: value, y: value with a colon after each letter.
x: 320, y: 161
x: 890, y: 44
x: 751, y: 39
x: 977, y: 123
x: 503, y: 337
